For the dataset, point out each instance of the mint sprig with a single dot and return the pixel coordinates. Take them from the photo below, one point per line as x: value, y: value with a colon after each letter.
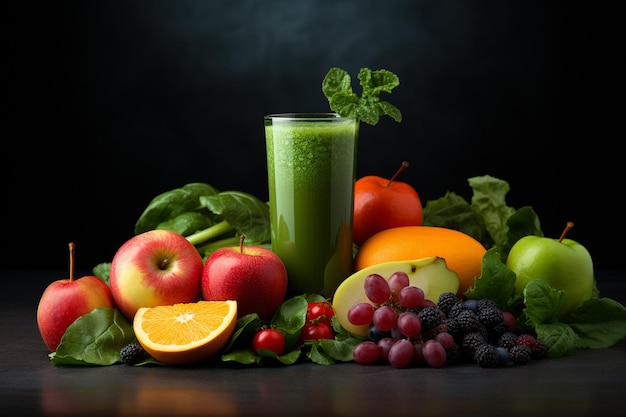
x: 337, y: 87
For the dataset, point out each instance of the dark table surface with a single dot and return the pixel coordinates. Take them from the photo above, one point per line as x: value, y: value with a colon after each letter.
x: 588, y: 382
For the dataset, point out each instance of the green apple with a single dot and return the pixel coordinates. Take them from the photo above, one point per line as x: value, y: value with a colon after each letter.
x: 431, y: 274
x: 563, y: 263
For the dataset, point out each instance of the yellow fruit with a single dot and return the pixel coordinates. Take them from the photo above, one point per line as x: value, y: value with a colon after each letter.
x: 187, y: 332
x: 430, y: 274
x: 463, y: 253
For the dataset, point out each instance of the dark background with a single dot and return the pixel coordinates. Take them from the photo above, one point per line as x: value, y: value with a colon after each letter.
x: 111, y: 103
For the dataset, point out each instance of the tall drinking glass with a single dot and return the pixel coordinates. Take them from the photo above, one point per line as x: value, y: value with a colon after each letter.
x: 311, y: 162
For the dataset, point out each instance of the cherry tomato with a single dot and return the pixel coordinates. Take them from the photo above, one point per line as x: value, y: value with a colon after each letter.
x: 322, y: 311
x: 270, y: 339
x: 313, y: 330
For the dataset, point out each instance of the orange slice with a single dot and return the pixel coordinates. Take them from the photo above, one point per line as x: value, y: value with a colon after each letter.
x: 187, y: 332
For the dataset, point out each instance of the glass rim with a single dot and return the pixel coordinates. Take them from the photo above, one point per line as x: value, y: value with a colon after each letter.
x: 307, y: 116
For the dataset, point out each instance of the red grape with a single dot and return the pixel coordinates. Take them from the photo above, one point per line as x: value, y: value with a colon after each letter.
x: 366, y: 353
x: 360, y: 314
x: 377, y: 289
x: 434, y: 353
x: 385, y: 318
x: 411, y: 297
x: 409, y: 324
x: 445, y: 338
x: 384, y: 345
x: 401, y: 353
x: 397, y: 281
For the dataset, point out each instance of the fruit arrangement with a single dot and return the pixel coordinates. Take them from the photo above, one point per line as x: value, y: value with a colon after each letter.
x: 406, y: 329
x: 438, y: 284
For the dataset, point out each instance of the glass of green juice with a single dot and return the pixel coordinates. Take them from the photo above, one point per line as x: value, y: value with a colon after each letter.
x: 311, y: 166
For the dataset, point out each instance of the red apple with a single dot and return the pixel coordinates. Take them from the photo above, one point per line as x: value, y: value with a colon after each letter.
x: 65, y: 300
x: 154, y: 268
x: 254, y: 276
x: 381, y: 204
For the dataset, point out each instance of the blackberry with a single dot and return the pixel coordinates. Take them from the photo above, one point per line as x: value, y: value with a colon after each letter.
x: 520, y: 354
x: 487, y: 356
x: 490, y: 317
x: 468, y: 321
x: 132, y: 353
x: 498, y: 330
x: 456, y: 309
x: 507, y: 340
x: 527, y: 340
x: 471, y: 341
x: 454, y: 354
x: 446, y: 300
x: 453, y: 327
x: 430, y: 317
x: 541, y: 351
x: 487, y: 303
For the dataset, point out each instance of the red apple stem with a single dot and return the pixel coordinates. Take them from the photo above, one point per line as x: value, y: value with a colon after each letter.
x: 403, y: 166
x: 241, y: 239
x: 71, y: 245
x: 568, y: 226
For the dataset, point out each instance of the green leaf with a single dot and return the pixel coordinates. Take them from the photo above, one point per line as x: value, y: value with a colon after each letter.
x: 189, y: 222
x: 245, y: 329
x: 95, y: 338
x: 337, y: 349
x: 246, y: 213
x: 290, y: 318
x: 319, y: 356
x: 599, y: 323
x: 496, y: 281
x: 102, y: 271
x: 560, y: 339
x: 336, y: 81
x: 170, y: 204
x: 244, y: 356
x: 488, y: 201
x: 542, y: 302
x: 368, y: 108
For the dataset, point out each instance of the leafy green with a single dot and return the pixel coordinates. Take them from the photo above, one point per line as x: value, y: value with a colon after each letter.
x: 170, y: 204
x: 487, y: 218
x: 337, y: 87
x: 95, y: 338
x: 209, y: 219
x: 289, y: 320
x: 102, y: 271
x: 597, y: 323
x: 496, y: 281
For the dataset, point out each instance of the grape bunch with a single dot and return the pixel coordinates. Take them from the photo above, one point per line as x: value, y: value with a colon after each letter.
x: 406, y: 329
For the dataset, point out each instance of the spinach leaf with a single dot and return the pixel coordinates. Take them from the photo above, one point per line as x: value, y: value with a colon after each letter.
x: 248, y: 215
x: 170, y: 204
x: 599, y: 323
x: 95, y: 338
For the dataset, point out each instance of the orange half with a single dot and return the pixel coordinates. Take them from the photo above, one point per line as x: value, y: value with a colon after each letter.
x: 187, y: 332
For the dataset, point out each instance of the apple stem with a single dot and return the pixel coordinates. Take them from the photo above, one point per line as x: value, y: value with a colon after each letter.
x: 241, y: 239
x: 568, y: 226
x: 404, y: 166
x: 71, y: 245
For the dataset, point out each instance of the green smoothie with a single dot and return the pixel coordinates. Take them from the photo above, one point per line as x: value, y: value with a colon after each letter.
x: 311, y: 173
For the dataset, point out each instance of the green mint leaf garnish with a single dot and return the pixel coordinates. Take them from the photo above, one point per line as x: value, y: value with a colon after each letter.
x: 337, y: 87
